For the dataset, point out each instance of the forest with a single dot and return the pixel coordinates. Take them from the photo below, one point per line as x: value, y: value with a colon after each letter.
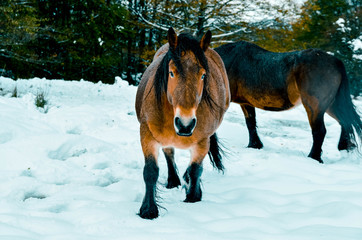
x: 96, y: 40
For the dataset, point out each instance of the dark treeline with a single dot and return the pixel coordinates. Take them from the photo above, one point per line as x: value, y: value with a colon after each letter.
x: 97, y: 40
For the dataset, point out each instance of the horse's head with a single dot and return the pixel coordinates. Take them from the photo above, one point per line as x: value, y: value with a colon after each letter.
x: 187, y: 73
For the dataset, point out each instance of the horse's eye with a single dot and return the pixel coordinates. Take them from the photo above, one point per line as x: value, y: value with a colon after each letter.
x: 203, y: 76
x: 172, y: 75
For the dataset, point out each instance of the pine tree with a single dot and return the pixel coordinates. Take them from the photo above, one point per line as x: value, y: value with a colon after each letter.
x: 331, y: 26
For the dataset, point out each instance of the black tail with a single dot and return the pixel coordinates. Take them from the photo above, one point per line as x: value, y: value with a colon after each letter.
x: 345, y: 111
x: 215, y: 153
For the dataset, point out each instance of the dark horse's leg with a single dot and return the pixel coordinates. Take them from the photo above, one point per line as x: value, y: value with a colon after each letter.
x: 192, y: 178
x: 249, y: 113
x: 194, y: 171
x: 319, y: 132
x: 345, y: 142
x: 149, y: 208
x: 315, y: 109
x: 173, y: 180
x: 316, y: 105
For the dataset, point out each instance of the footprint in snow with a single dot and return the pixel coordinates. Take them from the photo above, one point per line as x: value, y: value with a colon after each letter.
x: 78, y: 146
x: 33, y: 194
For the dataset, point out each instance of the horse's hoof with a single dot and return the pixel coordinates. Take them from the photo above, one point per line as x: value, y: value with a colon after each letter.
x: 348, y: 146
x: 256, y: 145
x: 319, y: 159
x: 192, y: 199
x: 148, y: 212
x: 173, y: 182
x: 195, y: 197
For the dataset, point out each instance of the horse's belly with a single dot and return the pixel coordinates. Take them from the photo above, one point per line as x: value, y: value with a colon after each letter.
x: 274, y: 99
x: 274, y: 103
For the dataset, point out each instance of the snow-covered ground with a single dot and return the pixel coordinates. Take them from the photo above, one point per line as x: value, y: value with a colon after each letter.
x: 75, y: 173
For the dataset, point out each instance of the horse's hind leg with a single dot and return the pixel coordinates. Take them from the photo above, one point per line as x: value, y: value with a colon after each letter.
x: 194, y: 171
x: 173, y: 180
x: 249, y: 113
x: 150, y: 148
x: 345, y: 141
x: 316, y: 121
x: 319, y: 132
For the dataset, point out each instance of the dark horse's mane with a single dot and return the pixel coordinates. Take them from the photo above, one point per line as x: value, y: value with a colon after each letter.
x: 185, y: 42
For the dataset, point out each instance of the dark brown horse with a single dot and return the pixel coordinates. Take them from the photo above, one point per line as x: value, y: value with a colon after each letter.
x: 180, y: 103
x: 279, y: 81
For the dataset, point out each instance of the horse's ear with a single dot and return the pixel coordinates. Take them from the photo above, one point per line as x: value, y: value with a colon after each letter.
x: 205, y: 40
x: 172, y: 38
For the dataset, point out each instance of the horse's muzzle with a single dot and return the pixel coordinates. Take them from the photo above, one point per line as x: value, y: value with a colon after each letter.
x: 184, y: 128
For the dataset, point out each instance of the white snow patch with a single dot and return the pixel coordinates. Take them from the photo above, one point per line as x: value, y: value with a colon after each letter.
x: 76, y: 173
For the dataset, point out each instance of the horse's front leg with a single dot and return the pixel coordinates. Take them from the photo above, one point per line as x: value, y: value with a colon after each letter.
x: 150, y: 148
x: 193, y: 173
x: 173, y: 180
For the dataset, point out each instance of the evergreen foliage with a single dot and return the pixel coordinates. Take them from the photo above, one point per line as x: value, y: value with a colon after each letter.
x: 97, y: 40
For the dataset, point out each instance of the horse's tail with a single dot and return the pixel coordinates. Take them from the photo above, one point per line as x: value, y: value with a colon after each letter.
x: 345, y: 110
x: 215, y: 153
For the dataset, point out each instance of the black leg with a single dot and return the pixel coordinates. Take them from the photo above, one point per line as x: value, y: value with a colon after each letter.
x: 173, y: 180
x: 192, y: 178
x: 345, y: 142
x: 319, y: 132
x: 149, y: 208
x: 254, y: 140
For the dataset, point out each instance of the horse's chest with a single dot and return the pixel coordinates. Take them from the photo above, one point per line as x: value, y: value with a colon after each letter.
x: 165, y: 135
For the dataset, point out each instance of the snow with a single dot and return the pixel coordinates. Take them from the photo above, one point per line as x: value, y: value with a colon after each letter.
x: 75, y: 172
x: 357, y: 46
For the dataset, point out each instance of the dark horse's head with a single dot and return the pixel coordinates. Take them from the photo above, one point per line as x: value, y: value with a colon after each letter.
x: 182, y: 74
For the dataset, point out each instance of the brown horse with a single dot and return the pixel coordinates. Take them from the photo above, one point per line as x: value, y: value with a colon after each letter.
x: 180, y: 103
x: 280, y: 81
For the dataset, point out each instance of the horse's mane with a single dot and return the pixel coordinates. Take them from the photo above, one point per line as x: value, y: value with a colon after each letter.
x: 185, y: 42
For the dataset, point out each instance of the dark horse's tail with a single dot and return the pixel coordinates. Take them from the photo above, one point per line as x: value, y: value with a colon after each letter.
x: 215, y: 153
x: 345, y: 111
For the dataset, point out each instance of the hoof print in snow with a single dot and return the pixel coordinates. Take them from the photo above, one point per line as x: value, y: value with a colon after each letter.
x: 106, y: 180
x: 101, y: 166
x: 34, y: 195
x: 74, y: 131
x: 58, y: 208
x: 63, y: 155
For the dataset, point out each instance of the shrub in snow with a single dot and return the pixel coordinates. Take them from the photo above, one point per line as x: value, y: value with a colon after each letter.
x: 41, y: 101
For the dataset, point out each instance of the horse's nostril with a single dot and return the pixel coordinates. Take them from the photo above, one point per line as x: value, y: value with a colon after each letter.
x: 178, y: 123
x: 183, y: 129
x: 192, y: 124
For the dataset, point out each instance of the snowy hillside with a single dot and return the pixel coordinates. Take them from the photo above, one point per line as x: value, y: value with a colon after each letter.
x: 75, y: 173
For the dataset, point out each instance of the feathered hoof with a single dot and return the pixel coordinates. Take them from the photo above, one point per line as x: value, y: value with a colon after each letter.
x: 191, y: 198
x: 148, y: 211
x: 173, y: 182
